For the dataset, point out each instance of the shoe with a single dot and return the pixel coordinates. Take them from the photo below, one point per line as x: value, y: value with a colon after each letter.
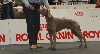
x: 39, y: 46
x: 33, y: 47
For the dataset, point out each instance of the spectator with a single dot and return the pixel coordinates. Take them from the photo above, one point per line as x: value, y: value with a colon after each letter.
x: 59, y: 2
x: 0, y: 8
x: 92, y: 1
x: 52, y: 2
x: 98, y: 4
x: 8, y: 9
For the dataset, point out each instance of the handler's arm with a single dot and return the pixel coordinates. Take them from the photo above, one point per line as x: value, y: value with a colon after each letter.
x: 26, y: 3
x: 46, y: 3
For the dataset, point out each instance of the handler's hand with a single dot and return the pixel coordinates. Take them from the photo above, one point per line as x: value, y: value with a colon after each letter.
x: 31, y: 7
x: 46, y: 8
x: 13, y: 4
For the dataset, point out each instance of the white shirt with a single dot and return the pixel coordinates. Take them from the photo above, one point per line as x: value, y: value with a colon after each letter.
x: 5, y: 2
x: 26, y: 2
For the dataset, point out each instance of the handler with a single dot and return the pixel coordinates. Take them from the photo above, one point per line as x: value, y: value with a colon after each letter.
x: 30, y: 8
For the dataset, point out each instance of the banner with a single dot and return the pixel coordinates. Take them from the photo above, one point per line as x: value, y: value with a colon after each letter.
x: 14, y: 31
x: 18, y: 31
x: 89, y: 28
x: 75, y: 13
x: 4, y: 33
x: 79, y: 6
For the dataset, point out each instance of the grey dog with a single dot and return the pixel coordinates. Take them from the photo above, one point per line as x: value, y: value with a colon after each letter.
x: 57, y: 24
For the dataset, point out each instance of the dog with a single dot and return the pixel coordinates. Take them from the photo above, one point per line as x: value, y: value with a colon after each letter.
x: 57, y: 24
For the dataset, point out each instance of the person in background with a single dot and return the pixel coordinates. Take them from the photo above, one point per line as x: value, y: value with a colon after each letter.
x: 92, y: 1
x: 0, y: 8
x: 59, y: 2
x: 97, y: 4
x: 30, y: 8
x: 0, y: 3
x: 7, y: 7
x: 52, y: 2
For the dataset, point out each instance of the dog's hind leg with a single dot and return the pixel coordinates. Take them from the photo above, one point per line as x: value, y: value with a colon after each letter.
x: 80, y: 41
x: 76, y: 34
x: 85, y: 46
x: 80, y: 37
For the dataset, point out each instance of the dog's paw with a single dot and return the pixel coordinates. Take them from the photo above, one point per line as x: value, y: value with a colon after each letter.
x: 80, y: 46
x: 85, y: 46
x: 52, y: 48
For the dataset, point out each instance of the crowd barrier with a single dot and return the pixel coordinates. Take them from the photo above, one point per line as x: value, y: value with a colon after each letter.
x: 13, y: 31
x: 79, y: 6
x: 72, y: 13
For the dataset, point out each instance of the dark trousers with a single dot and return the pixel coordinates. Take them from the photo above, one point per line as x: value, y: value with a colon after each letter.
x: 8, y: 10
x: 51, y: 2
x: 33, y: 22
x: 92, y: 1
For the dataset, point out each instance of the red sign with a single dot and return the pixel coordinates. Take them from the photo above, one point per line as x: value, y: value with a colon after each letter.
x: 79, y: 13
x: 2, y: 38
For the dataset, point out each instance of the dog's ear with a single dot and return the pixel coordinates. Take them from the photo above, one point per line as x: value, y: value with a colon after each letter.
x: 48, y: 10
x: 49, y: 14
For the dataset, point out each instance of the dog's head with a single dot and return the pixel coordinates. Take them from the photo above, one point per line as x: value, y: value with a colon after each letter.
x: 45, y: 12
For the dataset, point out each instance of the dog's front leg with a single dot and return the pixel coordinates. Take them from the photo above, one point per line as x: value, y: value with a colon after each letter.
x: 54, y: 42
x: 51, y: 40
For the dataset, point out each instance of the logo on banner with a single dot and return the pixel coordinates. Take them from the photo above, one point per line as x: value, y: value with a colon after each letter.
x: 22, y: 37
x: 2, y: 38
x: 94, y: 16
x: 79, y: 13
x: 60, y: 35
x: 91, y: 34
x: 43, y: 26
